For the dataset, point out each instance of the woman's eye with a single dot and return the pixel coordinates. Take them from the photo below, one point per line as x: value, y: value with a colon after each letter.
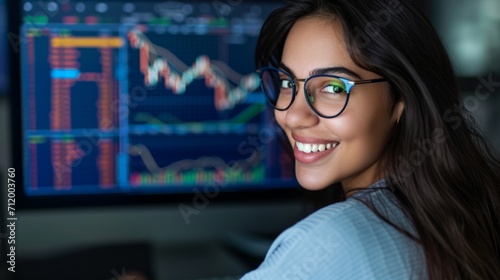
x: 285, y: 83
x: 335, y: 87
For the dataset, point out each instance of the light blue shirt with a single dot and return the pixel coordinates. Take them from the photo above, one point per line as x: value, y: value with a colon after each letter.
x: 347, y: 240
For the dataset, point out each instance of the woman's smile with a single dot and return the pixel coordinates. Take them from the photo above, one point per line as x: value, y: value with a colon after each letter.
x: 309, y: 150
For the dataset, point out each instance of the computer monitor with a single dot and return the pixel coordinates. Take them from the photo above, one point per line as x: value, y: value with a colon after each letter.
x: 142, y: 101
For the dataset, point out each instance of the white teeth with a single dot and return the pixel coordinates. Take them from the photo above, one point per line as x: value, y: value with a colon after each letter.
x: 307, y: 148
x: 300, y: 146
x: 313, y: 148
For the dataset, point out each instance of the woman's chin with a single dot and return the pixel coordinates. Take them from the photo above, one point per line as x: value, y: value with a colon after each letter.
x: 312, y: 185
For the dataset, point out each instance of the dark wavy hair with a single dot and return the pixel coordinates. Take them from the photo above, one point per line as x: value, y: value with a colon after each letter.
x: 438, y: 165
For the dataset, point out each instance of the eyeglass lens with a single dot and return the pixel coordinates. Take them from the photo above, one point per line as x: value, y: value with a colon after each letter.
x: 326, y: 95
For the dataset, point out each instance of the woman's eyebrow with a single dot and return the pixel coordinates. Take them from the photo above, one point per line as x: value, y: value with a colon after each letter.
x: 335, y: 70
x: 321, y: 71
x: 287, y: 69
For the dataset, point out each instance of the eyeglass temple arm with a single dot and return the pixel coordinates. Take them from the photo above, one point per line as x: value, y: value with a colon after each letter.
x: 354, y: 82
x: 370, y: 81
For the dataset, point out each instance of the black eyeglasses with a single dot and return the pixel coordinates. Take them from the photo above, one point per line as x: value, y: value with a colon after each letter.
x: 326, y: 95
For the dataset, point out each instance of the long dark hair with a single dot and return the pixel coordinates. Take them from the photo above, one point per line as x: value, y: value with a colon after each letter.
x: 437, y: 163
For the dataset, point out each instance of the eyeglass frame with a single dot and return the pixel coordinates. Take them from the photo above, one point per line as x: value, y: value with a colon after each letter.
x: 349, y: 85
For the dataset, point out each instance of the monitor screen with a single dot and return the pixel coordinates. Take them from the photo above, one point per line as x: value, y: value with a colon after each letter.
x: 145, y: 98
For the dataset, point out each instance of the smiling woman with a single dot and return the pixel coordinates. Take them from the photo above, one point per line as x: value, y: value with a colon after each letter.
x: 361, y: 90
x: 357, y: 133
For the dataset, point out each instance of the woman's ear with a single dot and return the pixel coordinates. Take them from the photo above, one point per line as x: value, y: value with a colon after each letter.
x: 397, y: 110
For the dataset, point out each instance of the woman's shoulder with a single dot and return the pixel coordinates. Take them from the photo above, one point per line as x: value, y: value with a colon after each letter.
x: 345, y: 239
x: 338, y: 217
x: 352, y: 218
x: 331, y: 220
x: 357, y: 214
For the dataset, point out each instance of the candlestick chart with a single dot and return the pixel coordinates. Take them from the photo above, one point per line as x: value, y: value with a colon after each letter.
x: 205, y: 109
x: 161, y: 106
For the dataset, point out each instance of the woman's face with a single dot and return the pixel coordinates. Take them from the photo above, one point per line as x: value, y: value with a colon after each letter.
x: 357, y: 136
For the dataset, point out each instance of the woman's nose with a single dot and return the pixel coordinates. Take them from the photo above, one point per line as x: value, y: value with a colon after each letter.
x: 299, y: 115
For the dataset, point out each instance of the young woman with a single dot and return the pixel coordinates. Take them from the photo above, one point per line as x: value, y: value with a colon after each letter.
x: 365, y: 93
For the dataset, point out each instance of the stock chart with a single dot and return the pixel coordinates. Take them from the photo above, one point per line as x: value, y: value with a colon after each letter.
x: 145, y: 97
